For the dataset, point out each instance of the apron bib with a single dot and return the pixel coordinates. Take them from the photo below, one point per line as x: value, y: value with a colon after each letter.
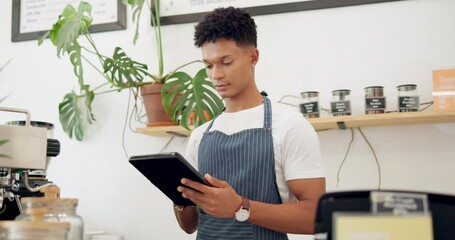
x: 246, y: 161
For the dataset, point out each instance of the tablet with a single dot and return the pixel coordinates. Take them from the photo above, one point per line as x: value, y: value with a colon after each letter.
x: 165, y: 170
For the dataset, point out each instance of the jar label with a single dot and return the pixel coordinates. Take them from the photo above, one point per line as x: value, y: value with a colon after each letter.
x: 309, y: 107
x: 410, y: 102
x: 341, y: 107
x: 376, y: 103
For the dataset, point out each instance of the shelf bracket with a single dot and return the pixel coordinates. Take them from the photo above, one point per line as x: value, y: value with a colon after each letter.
x: 176, y: 134
x: 341, y: 125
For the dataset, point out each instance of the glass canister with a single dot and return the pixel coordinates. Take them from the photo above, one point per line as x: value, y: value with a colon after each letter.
x: 35, y: 229
x: 310, y: 104
x: 408, y: 99
x: 60, y: 210
x: 375, y: 101
x: 341, y: 102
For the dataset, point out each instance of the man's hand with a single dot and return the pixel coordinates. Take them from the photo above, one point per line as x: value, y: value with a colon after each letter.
x: 221, y: 200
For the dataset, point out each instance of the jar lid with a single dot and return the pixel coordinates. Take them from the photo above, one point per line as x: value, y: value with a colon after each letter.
x: 310, y: 92
x: 49, y: 200
x: 341, y: 91
x: 370, y: 87
x: 407, y: 85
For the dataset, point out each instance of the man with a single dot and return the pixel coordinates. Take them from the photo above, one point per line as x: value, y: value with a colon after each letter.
x: 262, y: 159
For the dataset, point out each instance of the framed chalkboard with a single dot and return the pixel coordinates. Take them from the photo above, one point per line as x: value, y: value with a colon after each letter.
x: 32, y: 19
x: 177, y: 11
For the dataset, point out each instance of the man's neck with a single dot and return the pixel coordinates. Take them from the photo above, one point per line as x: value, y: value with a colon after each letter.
x: 242, y: 103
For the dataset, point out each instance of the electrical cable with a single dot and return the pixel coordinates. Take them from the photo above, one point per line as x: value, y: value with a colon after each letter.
x: 426, y: 103
x: 375, y: 157
x: 167, y: 144
x: 6, y: 64
x: 286, y: 96
x: 125, y: 124
x: 128, y: 119
x: 345, y: 156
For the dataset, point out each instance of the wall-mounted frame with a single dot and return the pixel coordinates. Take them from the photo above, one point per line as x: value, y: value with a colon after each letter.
x: 176, y: 11
x: 32, y: 19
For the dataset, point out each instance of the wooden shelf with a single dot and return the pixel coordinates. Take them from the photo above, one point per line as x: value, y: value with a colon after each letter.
x: 165, y: 131
x: 387, y: 119
x: 339, y: 122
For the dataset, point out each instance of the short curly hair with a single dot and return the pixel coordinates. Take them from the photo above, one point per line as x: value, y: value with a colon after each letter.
x: 229, y: 23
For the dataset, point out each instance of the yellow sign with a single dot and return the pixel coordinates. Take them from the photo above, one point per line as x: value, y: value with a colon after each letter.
x: 444, y: 89
x: 382, y: 227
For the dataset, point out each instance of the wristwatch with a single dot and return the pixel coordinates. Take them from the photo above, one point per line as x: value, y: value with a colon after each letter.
x: 244, y: 212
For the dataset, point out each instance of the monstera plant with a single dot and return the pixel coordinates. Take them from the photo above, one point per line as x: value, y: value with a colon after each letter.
x: 184, y: 97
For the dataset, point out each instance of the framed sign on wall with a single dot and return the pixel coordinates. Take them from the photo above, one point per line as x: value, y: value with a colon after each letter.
x: 177, y: 11
x: 32, y: 18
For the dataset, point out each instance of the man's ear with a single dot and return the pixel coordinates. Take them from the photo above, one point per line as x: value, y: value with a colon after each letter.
x: 254, y: 56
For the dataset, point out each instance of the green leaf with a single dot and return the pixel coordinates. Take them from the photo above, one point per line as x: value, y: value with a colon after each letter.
x: 70, y: 25
x: 90, y: 96
x: 41, y: 39
x: 185, y: 94
x: 124, y: 72
x: 74, y: 115
x: 136, y: 6
x: 75, y: 56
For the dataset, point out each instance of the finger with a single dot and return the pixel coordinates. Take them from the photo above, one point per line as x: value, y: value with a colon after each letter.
x: 194, y: 185
x: 186, y: 192
x: 214, y: 181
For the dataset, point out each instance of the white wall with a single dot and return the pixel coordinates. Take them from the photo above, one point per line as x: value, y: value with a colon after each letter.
x: 380, y: 44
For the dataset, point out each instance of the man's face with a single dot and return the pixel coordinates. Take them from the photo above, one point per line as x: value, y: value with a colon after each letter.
x: 230, y: 67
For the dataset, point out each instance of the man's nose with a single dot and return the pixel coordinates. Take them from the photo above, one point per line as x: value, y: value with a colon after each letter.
x: 217, y: 73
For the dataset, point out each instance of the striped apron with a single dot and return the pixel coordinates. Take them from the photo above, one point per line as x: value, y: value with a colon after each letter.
x: 246, y: 161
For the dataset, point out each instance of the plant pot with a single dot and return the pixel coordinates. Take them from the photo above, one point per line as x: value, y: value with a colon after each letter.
x: 156, y: 115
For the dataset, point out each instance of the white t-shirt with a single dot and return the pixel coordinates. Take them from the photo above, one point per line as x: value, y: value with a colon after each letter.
x: 295, y: 142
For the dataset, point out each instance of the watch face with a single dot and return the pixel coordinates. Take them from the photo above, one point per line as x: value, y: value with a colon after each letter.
x: 242, y: 215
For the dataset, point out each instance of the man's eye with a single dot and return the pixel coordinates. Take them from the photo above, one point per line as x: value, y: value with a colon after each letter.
x: 209, y: 66
x: 227, y: 63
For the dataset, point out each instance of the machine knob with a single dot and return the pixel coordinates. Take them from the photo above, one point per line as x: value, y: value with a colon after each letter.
x: 53, y: 147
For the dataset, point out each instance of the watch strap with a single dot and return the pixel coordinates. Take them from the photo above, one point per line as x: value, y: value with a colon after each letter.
x: 245, y: 203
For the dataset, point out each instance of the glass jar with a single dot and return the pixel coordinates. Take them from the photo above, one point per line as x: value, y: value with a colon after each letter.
x: 408, y: 99
x: 21, y: 230
x: 60, y: 210
x: 35, y: 228
x: 375, y: 102
x: 310, y: 104
x: 341, y: 102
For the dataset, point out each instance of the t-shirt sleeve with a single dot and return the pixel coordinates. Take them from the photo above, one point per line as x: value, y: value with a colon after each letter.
x: 192, y: 148
x: 301, y: 154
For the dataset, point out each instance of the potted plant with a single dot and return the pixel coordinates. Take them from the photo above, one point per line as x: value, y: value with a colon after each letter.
x: 184, y: 97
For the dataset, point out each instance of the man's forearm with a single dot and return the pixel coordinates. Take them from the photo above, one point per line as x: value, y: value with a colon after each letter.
x: 187, y: 218
x: 296, y: 217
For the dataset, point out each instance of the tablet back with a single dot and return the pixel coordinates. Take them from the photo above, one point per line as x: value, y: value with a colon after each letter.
x: 165, y: 170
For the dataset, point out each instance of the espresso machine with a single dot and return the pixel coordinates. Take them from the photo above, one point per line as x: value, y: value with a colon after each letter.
x: 25, y: 150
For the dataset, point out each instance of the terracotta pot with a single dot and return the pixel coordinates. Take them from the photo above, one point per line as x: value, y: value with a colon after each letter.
x: 207, y: 117
x: 156, y: 115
